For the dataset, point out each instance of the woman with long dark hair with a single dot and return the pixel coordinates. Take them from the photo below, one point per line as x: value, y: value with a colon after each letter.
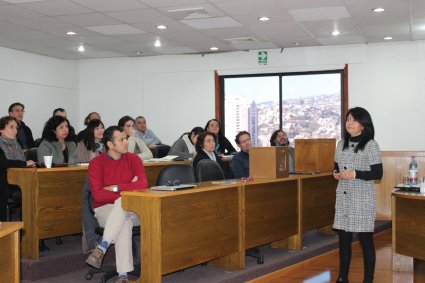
x: 222, y: 144
x: 184, y: 147
x: 357, y: 164
x: 91, y: 146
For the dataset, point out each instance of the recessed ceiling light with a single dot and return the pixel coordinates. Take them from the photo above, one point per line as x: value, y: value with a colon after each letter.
x: 335, y: 33
x: 139, y: 52
x: 297, y: 43
x: 161, y: 27
x: 378, y: 10
x: 71, y: 32
x: 214, y: 48
x: 388, y: 38
x: 263, y: 19
x: 157, y: 43
x: 81, y: 48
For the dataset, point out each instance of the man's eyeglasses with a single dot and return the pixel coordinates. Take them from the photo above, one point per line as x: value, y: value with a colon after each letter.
x: 173, y: 183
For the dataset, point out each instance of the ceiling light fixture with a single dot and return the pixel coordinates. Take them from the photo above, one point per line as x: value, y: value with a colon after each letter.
x: 388, y: 38
x: 157, y: 43
x: 81, y: 48
x: 71, y: 32
x: 263, y: 19
x: 297, y: 43
x: 161, y: 27
x: 214, y: 48
x: 335, y: 33
x: 378, y: 10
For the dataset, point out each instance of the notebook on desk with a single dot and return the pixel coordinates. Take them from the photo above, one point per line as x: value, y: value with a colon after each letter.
x: 173, y: 188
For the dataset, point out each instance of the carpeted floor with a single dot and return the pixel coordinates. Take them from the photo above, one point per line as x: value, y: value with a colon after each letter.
x: 65, y: 263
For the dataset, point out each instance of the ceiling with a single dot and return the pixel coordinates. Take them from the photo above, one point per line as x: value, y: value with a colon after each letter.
x: 128, y: 28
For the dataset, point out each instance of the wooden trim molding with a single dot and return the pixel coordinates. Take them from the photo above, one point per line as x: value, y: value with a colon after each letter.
x: 217, y: 95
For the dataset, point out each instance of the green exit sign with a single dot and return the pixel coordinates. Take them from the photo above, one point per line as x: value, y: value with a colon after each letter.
x: 262, y: 57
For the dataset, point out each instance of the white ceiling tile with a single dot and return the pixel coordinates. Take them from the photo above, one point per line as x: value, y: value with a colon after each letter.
x: 210, y: 23
x: 89, y: 19
x: 111, y: 5
x: 56, y: 7
x: 175, y: 50
x: 302, y: 4
x: 251, y: 7
x: 340, y: 40
x: 169, y: 3
x: 321, y: 13
x: 346, y: 27
x: 115, y: 29
x: 139, y: 16
x: 9, y: 12
x: 40, y: 23
x: 21, y: 1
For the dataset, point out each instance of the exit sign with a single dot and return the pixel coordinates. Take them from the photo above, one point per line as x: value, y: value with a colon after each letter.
x: 262, y: 57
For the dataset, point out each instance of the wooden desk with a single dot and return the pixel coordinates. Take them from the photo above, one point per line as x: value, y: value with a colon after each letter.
x: 185, y: 228
x: 9, y: 251
x: 219, y: 222
x: 408, y: 228
x: 51, y: 201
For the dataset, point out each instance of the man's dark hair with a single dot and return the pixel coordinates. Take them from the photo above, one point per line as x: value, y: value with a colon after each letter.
x: 16, y: 104
x: 241, y: 134
x: 108, y: 135
x: 87, y: 119
x: 274, y: 136
x: 58, y: 110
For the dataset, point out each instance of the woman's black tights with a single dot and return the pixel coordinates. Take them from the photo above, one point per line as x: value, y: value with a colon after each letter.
x: 369, y: 257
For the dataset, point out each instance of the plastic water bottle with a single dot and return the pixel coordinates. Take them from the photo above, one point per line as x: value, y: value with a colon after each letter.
x: 413, y: 172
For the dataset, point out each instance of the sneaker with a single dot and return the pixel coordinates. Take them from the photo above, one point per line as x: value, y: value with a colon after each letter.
x: 95, y: 258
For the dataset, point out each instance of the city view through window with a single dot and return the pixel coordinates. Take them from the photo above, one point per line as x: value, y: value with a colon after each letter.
x: 311, y: 106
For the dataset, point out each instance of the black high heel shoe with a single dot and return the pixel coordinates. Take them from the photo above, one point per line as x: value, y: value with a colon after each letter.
x: 341, y: 280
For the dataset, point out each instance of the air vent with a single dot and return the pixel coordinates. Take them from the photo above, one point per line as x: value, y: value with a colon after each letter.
x: 190, y: 13
x: 242, y: 40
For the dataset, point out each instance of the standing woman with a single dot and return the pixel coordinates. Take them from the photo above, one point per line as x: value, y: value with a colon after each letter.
x: 222, y: 145
x: 11, y: 155
x: 357, y: 164
x: 91, y: 146
x: 57, y: 142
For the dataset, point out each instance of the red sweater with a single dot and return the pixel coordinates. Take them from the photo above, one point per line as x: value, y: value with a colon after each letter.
x: 104, y: 171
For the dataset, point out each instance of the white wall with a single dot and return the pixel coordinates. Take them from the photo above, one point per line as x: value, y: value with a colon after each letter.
x: 176, y: 93
x: 40, y: 83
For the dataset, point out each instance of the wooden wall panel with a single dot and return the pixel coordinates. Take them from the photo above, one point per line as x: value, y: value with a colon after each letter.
x: 396, y: 165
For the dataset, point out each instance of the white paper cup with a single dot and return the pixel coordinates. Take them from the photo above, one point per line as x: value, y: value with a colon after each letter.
x: 48, y: 161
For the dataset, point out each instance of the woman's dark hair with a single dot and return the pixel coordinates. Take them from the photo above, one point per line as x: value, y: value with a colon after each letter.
x: 274, y: 136
x: 196, y: 131
x: 363, y: 117
x: 89, y: 139
x: 51, y: 125
x: 201, y: 137
x: 108, y: 135
x: 124, y: 120
x: 220, y: 133
x: 4, y: 121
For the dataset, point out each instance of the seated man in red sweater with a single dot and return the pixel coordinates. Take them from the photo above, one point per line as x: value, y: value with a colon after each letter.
x: 113, y: 171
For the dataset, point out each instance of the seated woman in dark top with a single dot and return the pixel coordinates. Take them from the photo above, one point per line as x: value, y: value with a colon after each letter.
x: 56, y: 142
x: 91, y: 145
x: 184, y: 147
x: 223, y: 145
x: 205, y: 146
x: 11, y: 155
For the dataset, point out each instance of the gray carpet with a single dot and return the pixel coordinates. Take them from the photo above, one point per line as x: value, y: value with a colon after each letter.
x: 65, y: 263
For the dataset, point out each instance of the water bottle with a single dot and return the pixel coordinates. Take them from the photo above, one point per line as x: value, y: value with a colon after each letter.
x: 413, y: 172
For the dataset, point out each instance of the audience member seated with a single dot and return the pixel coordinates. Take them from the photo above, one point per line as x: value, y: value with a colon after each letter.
x: 62, y: 112
x: 145, y: 134
x: 279, y: 138
x: 91, y: 146
x: 223, y: 145
x: 205, y: 146
x: 184, y: 147
x: 11, y: 155
x: 56, y: 143
x: 24, y: 137
x: 240, y: 162
x: 91, y: 116
x: 110, y: 173
x: 135, y: 145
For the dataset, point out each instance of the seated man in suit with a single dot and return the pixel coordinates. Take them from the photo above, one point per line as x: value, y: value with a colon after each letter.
x: 280, y: 138
x: 24, y: 137
x: 240, y: 162
x: 109, y: 173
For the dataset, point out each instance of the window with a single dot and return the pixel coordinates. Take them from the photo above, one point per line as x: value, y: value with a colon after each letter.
x: 304, y: 105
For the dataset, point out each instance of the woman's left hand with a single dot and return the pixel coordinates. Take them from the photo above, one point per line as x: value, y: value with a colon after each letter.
x: 347, y: 174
